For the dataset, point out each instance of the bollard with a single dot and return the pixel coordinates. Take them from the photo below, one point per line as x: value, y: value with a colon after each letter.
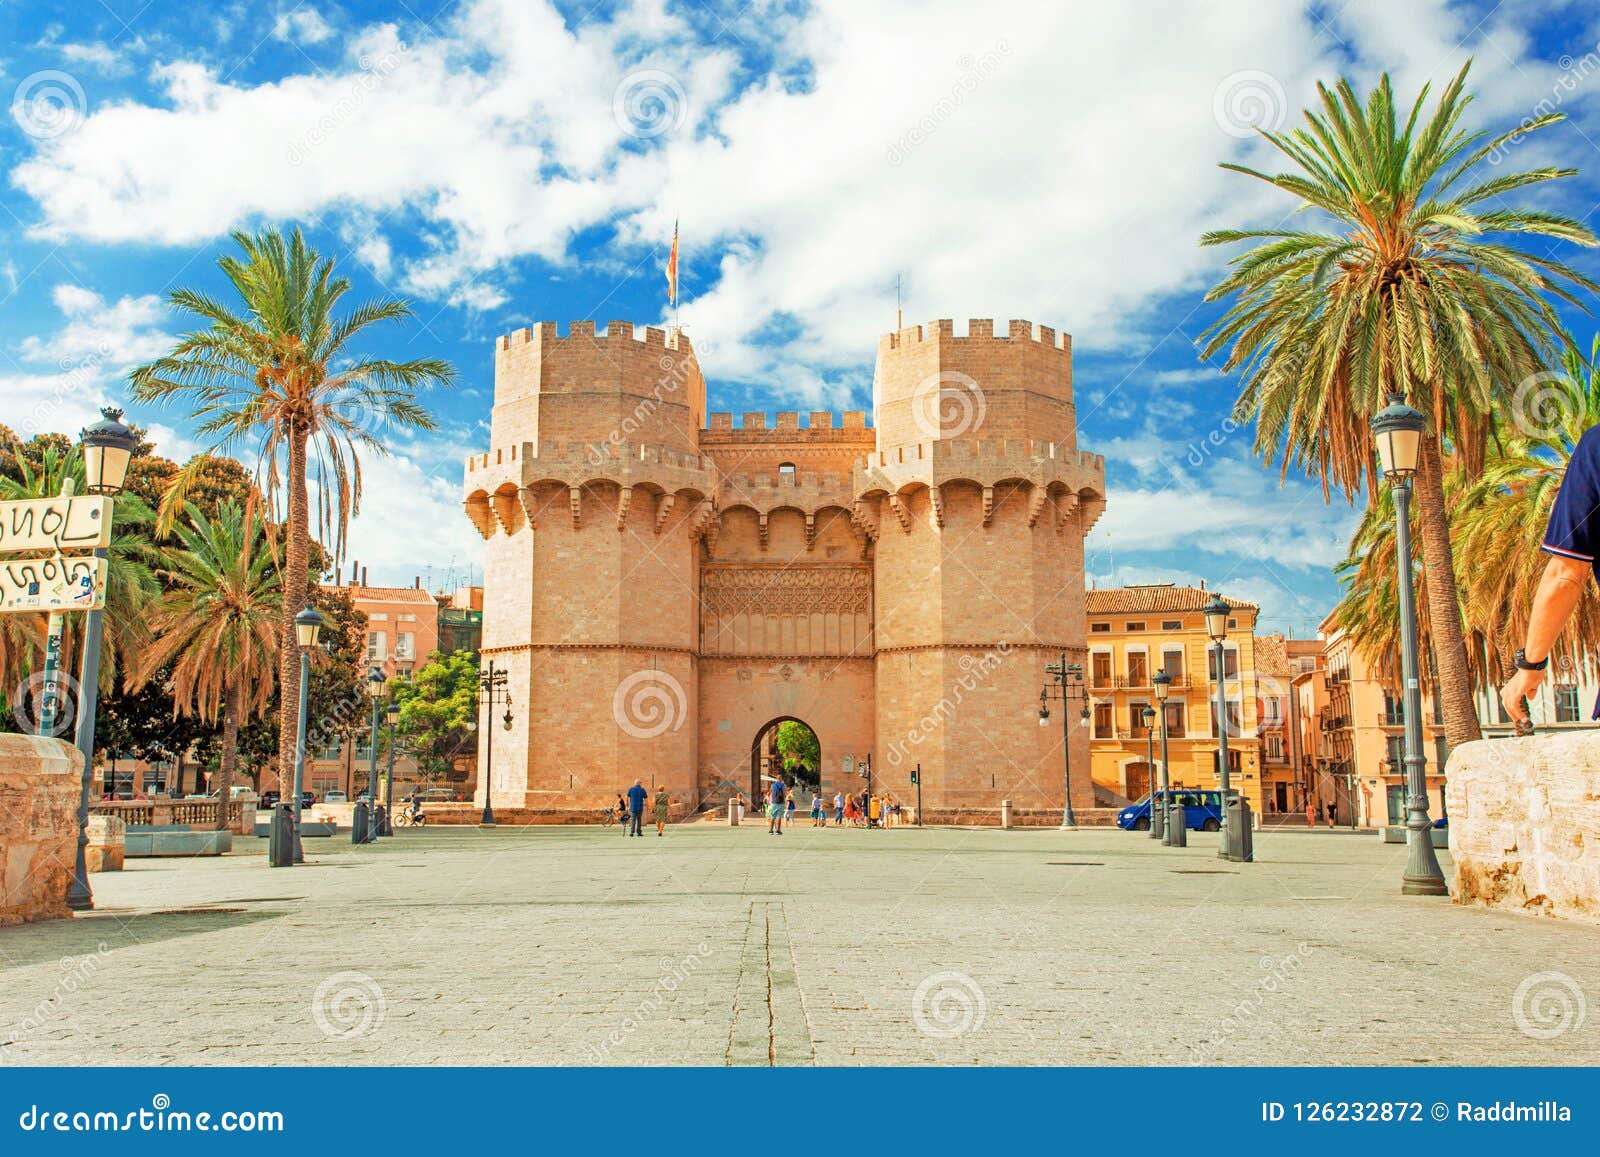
x: 1158, y: 819
x: 381, y: 818
x: 733, y: 813
x: 1005, y: 814
x: 358, y: 824
x: 1178, y: 826
x: 280, y: 837
x: 1241, y: 840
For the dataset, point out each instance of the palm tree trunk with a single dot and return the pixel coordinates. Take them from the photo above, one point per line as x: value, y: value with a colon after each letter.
x: 1444, y: 602
x: 297, y: 553
x: 230, y: 755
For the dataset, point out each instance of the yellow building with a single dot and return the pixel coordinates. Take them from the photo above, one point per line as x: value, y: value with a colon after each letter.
x: 1133, y: 633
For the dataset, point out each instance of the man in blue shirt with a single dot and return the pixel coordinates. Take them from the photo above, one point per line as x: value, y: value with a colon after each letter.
x: 636, y: 797
x: 1572, y: 541
x: 775, y: 807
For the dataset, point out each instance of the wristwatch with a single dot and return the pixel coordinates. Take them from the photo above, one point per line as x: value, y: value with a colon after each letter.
x: 1523, y: 663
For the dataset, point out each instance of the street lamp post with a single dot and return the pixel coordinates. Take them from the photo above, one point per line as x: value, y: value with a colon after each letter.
x: 391, y: 716
x: 1149, y: 717
x: 1216, y: 614
x: 1397, y: 429
x: 1064, y: 681
x: 364, y: 820
x: 1163, y: 686
x: 307, y: 630
x: 108, y: 447
x: 492, y: 684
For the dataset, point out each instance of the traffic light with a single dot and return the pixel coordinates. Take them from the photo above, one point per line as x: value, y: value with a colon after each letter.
x: 914, y: 773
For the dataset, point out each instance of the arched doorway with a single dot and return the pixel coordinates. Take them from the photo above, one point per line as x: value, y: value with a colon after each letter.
x: 788, y: 747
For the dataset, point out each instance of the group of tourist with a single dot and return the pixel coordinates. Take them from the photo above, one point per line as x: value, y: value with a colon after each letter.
x: 865, y: 810
x: 629, y: 809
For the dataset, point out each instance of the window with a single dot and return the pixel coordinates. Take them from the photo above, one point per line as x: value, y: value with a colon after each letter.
x: 1172, y: 664
x: 378, y: 617
x: 1271, y: 711
x: 1567, y: 709
x: 1233, y: 762
x: 1175, y: 720
x: 1230, y: 662
x: 786, y: 470
x: 1172, y: 624
x: 407, y: 618
x: 1133, y: 626
x: 1136, y: 728
x: 1232, y: 717
x: 1100, y: 668
x: 1138, y: 669
x: 1397, y: 755
x: 377, y: 647
x: 1394, y: 710
x: 1103, y: 728
x: 405, y: 646
x: 1100, y: 628
x: 1275, y: 747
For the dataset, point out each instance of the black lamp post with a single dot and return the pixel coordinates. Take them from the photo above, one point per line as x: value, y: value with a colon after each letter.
x: 391, y: 716
x: 364, y: 817
x: 1398, y: 431
x: 307, y: 630
x: 1163, y: 686
x: 1216, y: 615
x: 492, y: 682
x: 1064, y: 682
x: 108, y: 447
x: 1149, y: 717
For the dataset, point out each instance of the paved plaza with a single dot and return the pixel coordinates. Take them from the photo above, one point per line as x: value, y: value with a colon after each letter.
x: 718, y: 946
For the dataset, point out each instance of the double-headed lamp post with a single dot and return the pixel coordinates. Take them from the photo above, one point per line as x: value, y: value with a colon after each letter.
x: 1163, y: 686
x: 1149, y: 717
x: 1216, y: 614
x: 1398, y: 431
x: 108, y: 447
x: 1064, y: 681
x: 364, y: 828
x: 492, y: 682
x: 307, y: 633
x: 391, y: 716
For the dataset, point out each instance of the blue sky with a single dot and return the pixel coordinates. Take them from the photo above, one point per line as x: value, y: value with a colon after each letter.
x: 501, y: 162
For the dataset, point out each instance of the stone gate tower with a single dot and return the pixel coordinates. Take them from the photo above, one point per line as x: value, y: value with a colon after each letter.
x: 665, y: 587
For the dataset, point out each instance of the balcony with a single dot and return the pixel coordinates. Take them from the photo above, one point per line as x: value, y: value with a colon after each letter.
x: 1391, y: 718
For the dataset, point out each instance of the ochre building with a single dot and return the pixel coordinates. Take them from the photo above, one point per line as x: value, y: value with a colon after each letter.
x: 664, y: 586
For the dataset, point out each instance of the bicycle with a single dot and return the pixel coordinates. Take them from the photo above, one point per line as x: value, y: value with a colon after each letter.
x: 405, y: 818
x: 608, y: 818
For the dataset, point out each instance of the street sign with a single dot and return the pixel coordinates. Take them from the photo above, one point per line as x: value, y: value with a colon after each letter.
x: 53, y: 584
x: 56, y: 524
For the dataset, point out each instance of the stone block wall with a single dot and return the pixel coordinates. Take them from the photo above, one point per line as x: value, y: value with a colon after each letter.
x: 1525, y: 824
x: 40, y: 782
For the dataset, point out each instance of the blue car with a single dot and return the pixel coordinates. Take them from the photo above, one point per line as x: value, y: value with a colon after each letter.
x: 1202, y: 811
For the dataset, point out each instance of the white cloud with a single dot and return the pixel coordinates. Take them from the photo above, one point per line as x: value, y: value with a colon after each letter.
x: 304, y: 24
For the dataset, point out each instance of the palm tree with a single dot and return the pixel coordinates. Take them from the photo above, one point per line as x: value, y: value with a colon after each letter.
x: 130, y: 584
x: 280, y: 372
x: 218, y: 624
x: 1404, y: 289
x: 1490, y: 518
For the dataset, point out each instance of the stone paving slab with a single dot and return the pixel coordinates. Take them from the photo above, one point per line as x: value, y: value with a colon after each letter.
x: 716, y: 946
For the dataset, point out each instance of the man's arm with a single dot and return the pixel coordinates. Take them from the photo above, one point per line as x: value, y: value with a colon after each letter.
x: 1560, y: 588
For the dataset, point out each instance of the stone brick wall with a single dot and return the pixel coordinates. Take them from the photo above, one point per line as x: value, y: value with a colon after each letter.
x: 40, y: 782
x: 1524, y: 815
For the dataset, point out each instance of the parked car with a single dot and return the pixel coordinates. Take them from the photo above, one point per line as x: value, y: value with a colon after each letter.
x: 1202, y: 811
x: 336, y: 797
x: 269, y: 799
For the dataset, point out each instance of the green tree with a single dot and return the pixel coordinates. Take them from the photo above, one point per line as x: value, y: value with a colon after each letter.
x: 1413, y: 285
x: 218, y: 624
x: 279, y: 371
x: 439, y: 710
x: 798, y: 746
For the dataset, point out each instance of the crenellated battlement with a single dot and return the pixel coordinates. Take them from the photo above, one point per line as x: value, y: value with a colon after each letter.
x: 788, y: 421
x: 979, y: 329
x: 547, y: 334
x: 589, y: 453
x: 984, y: 449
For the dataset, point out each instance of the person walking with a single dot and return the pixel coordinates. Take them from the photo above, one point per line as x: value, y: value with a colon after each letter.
x: 740, y: 804
x: 838, y: 808
x: 636, y: 797
x: 1333, y: 814
x: 1311, y: 813
x: 791, y: 803
x: 776, y: 806
x: 850, y: 810
x: 663, y: 805
x: 819, y: 817
x: 622, y: 813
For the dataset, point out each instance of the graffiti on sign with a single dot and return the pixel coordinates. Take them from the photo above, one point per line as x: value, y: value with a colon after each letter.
x: 56, y: 524
x: 53, y: 584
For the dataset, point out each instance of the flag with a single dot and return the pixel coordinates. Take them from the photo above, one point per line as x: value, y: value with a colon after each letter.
x: 672, y: 268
